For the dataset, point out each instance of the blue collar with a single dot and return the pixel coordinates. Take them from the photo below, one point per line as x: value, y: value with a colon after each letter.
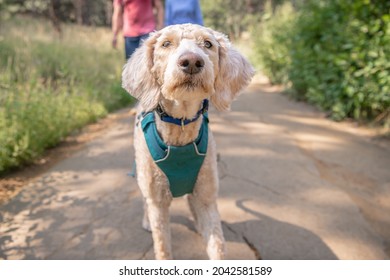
x: 182, y: 122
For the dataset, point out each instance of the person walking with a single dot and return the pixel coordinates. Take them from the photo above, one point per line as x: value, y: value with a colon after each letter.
x: 183, y: 11
x: 136, y: 19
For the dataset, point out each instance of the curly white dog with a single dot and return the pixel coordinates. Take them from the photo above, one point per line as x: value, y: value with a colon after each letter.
x: 174, y: 74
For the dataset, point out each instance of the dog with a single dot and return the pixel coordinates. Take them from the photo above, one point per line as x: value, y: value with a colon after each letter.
x: 174, y: 75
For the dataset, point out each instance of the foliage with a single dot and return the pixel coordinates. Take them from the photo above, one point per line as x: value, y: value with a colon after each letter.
x: 50, y: 87
x: 272, y: 40
x: 340, y: 57
x: 231, y: 16
x: 86, y: 12
x: 336, y: 55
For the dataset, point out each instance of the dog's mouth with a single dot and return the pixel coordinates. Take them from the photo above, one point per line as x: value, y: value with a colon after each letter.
x: 190, y: 83
x: 179, y: 84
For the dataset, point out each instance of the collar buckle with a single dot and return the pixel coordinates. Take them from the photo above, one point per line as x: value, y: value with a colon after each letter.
x: 160, y: 112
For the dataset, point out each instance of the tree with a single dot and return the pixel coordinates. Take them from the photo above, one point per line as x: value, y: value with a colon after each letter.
x: 86, y: 12
x: 234, y: 17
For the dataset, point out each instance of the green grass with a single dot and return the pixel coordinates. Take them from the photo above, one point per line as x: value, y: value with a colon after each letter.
x: 52, y: 85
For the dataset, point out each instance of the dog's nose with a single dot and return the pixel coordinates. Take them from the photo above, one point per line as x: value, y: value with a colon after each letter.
x: 191, y: 63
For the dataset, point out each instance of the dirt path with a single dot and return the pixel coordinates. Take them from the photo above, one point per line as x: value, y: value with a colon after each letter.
x: 293, y: 186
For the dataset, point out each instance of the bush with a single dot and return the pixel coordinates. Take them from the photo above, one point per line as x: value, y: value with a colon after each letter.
x: 51, y: 86
x: 335, y: 53
x: 272, y: 42
x: 339, y: 57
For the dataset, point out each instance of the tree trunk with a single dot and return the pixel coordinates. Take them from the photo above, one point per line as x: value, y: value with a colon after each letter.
x: 78, y: 5
x: 53, y: 17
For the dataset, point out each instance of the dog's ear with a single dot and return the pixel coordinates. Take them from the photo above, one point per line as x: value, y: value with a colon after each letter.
x: 137, y: 77
x: 235, y: 73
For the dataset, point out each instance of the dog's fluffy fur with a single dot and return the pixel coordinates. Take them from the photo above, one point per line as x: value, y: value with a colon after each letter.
x: 154, y: 76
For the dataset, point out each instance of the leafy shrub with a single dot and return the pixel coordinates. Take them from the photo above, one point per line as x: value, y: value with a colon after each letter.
x: 335, y: 53
x: 272, y: 41
x: 340, y: 57
x: 50, y: 86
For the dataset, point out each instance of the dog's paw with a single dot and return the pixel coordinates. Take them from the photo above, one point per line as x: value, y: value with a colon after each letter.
x: 146, y: 225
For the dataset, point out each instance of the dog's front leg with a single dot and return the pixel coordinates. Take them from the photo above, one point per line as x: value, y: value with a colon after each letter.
x: 158, y: 214
x: 208, y: 224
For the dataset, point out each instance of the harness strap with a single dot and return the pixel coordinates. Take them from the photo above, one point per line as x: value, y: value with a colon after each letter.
x: 181, y: 164
x: 159, y: 148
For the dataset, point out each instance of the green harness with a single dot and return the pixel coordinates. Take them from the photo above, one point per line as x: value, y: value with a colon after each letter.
x: 181, y: 164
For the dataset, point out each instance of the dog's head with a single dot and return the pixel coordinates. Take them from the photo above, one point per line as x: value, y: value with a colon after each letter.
x: 186, y: 62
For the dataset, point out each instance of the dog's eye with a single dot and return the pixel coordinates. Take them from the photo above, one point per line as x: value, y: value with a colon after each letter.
x: 166, y: 44
x: 208, y: 44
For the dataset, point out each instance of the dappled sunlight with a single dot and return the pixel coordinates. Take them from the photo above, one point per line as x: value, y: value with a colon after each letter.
x: 274, y: 237
x: 347, y: 246
x: 249, y: 152
x: 321, y: 142
x: 317, y: 139
x: 73, y: 211
x: 324, y: 195
x: 294, y: 173
x: 293, y: 183
x: 72, y: 220
x: 325, y: 235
